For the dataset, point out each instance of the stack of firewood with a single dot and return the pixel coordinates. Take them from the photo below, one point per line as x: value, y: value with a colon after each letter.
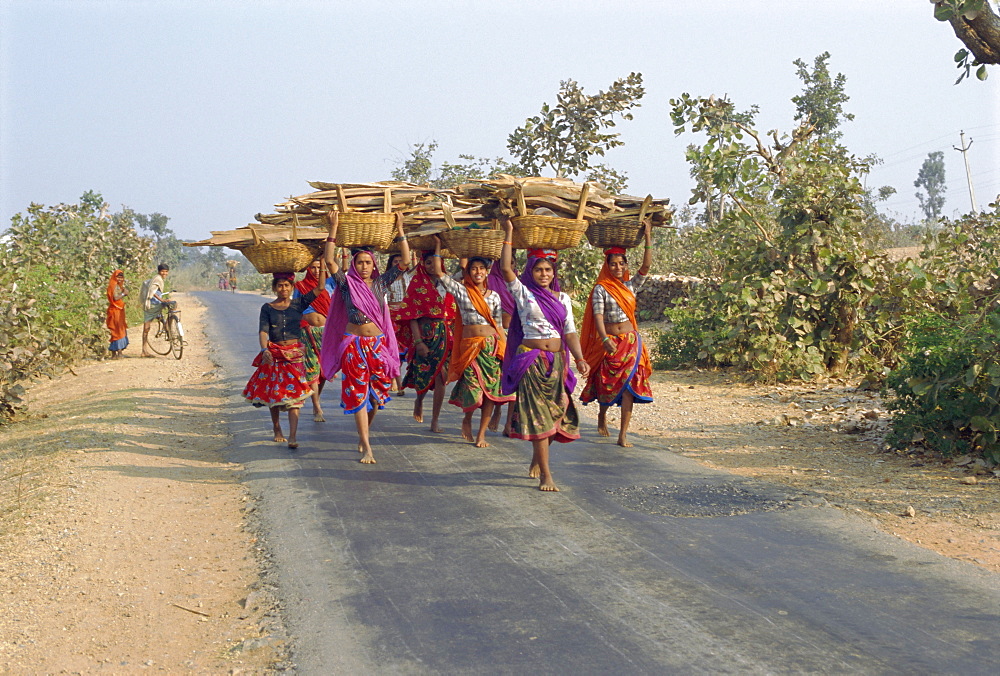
x: 428, y: 211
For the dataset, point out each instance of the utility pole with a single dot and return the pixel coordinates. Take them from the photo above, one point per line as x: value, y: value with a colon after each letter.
x: 968, y: 175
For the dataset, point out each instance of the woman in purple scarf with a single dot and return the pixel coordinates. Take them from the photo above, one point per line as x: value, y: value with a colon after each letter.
x: 496, y: 283
x: 535, y: 366
x: 359, y: 339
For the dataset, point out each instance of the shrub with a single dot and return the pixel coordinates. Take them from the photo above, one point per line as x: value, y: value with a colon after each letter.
x: 946, y: 388
x: 680, y: 342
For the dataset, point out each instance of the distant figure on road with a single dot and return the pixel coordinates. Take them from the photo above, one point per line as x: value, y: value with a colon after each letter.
x: 153, y: 300
x: 115, y: 319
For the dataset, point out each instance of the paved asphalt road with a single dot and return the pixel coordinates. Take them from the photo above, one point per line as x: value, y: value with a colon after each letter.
x: 444, y: 558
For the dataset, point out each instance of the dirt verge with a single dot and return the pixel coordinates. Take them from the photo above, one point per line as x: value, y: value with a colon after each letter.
x: 124, y: 546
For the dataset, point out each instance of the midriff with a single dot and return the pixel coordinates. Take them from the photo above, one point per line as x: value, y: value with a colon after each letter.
x: 369, y: 329
x: 618, y: 328
x: 546, y: 344
x: 314, y: 319
x: 477, y: 330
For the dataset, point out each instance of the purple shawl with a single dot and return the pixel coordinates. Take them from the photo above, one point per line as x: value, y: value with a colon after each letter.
x: 495, y: 282
x: 334, y: 340
x: 515, y: 364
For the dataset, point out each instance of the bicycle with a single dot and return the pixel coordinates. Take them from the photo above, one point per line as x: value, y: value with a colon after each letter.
x: 169, y: 334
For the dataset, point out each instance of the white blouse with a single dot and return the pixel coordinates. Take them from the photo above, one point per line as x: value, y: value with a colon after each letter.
x: 533, y: 321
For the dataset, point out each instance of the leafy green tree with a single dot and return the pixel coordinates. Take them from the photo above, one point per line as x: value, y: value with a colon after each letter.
x: 822, y: 102
x: 931, y: 179
x: 564, y: 138
x: 978, y: 27
x: 798, y: 272
x: 419, y: 168
x: 55, y: 263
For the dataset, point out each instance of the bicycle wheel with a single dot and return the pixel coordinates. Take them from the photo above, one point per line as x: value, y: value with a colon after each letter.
x: 176, y: 341
x: 159, y: 339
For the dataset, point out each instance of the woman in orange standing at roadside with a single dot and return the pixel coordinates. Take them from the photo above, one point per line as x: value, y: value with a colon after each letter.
x: 115, y: 319
x: 612, y: 345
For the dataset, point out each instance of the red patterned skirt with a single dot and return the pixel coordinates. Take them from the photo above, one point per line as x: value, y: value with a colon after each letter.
x: 282, y: 383
x: 619, y: 372
x: 365, y: 384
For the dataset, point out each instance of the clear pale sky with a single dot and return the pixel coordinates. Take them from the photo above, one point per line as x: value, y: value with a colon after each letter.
x: 212, y: 111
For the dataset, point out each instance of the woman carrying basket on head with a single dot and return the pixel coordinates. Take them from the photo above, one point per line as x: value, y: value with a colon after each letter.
x: 541, y: 336
x: 358, y: 338
x: 428, y: 316
x: 479, y: 345
x: 279, y: 381
x: 313, y: 319
x: 619, y: 361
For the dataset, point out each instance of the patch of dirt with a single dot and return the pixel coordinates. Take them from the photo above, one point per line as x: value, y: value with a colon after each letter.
x: 826, y: 442
x: 125, y: 542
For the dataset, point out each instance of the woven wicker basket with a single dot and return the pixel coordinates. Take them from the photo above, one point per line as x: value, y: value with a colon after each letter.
x: 270, y: 257
x: 366, y: 229
x: 469, y: 242
x: 625, y: 232
x: 547, y: 232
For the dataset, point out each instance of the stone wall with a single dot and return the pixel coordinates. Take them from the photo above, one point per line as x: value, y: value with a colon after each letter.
x: 660, y: 292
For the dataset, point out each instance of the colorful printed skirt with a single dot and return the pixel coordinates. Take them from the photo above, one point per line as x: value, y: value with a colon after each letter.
x: 421, y: 371
x: 481, y: 378
x: 365, y: 384
x: 282, y: 383
x: 619, y: 372
x: 312, y: 341
x: 544, y: 409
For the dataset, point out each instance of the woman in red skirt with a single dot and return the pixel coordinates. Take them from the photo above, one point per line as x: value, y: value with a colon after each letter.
x: 619, y: 361
x: 280, y: 381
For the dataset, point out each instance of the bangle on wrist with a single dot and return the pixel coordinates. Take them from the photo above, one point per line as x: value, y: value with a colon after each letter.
x: 331, y: 240
x: 508, y: 243
x: 398, y: 239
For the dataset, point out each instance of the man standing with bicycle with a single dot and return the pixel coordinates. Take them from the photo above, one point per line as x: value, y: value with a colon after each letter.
x: 152, y: 303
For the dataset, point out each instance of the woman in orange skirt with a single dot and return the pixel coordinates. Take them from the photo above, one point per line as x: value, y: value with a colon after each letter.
x: 612, y: 345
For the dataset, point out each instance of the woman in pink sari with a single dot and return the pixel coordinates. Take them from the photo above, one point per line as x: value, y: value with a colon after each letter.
x: 358, y: 339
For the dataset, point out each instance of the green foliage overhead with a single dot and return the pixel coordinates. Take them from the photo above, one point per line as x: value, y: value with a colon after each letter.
x: 822, y: 101
x: 563, y: 138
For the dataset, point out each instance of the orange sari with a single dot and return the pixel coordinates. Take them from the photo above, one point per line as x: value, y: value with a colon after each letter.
x: 115, y: 319
x: 596, y: 356
x: 465, y: 350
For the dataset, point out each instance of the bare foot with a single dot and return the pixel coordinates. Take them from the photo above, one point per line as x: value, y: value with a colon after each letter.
x: 279, y: 436
x: 418, y: 410
x: 151, y: 356
x: 292, y: 445
x: 623, y: 442
x: 368, y: 458
x: 534, y: 471
x: 361, y: 448
x: 481, y: 443
x: 436, y: 428
x: 400, y: 393
x: 506, y: 431
x: 467, y: 429
x: 318, y: 416
x: 547, y: 486
x: 494, y: 423
x: 602, y: 425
